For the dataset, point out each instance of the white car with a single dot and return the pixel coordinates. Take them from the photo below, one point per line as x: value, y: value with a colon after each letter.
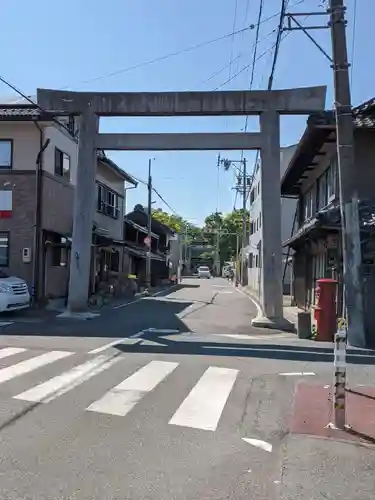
x: 204, y: 272
x: 14, y: 293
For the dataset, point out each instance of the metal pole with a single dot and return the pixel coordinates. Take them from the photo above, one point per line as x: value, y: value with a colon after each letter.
x: 244, y: 190
x: 217, y: 251
x: 149, y: 222
x: 346, y: 166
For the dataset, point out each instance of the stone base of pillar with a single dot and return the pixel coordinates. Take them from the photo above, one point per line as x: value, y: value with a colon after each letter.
x: 84, y: 315
x: 273, y: 323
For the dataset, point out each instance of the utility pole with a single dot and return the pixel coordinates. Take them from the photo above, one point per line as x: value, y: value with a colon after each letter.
x: 350, y: 225
x: 350, y: 228
x: 217, y: 252
x: 243, y: 186
x: 244, y: 242
x: 149, y: 223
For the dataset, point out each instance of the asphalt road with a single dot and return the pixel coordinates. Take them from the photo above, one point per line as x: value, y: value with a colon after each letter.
x: 151, y: 400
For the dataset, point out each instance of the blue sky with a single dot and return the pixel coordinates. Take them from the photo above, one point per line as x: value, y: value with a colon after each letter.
x: 65, y: 44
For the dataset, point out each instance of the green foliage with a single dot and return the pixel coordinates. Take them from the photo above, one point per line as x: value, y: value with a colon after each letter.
x: 229, y: 226
x: 177, y: 223
x: 230, y: 232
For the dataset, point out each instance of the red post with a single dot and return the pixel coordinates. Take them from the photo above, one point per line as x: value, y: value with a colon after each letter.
x: 325, y: 311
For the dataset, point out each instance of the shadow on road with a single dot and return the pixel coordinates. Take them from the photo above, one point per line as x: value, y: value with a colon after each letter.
x: 141, y: 315
x: 260, y: 351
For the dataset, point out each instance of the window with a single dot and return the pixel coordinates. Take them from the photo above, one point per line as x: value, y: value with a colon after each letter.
x: 114, y: 261
x: 251, y: 260
x: 256, y: 260
x: 62, y: 164
x: 322, y: 191
x: 308, y: 205
x: 260, y: 220
x: 252, y: 196
x: 107, y: 202
x: 332, y: 180
x: 4, y: 249
x: 6, y: 153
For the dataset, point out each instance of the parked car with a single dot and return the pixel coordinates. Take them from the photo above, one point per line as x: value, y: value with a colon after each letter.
x: 14, y: 293
x: 204, y: 272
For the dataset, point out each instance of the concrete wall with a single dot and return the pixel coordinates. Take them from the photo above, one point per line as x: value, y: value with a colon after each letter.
x: 288, y: 208
x: 26, y: 140
x: 57, y: 204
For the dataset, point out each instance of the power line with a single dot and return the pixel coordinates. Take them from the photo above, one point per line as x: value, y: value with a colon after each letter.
x: 244, y: 68
x: 247, y: 8
x: 28, y: 99
x: 284, y: 4
x: 217, y: 73
x: 240, y: 55
x: 141, y: 181
x: 279, y: 39
x: 260, y: 11
x: 232, y: 41
x: 172, y: 54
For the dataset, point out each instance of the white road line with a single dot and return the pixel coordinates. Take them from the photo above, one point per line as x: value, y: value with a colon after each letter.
x: 119, y: 306
x: 164, y: 290
x: 258, y: 308
x: 137, y: 335
x: 204, y: 405
x: 162, y: 330
x: 127, y: 303
x: 57, y: 386
x: 152, y: 343
x: 104, y: 347
x: 31, y: 364
x: 259, y: 444
x: 275, y: 336
x: 10, y: 351
x: 122, y: 398
x: 297, y: 374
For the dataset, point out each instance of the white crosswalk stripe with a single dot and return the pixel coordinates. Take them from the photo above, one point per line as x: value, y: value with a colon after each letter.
x: 122, y: 398
x: 31, y: 364
x: 204, y: 405
x: 201, y: 408
x: 10, y: 351
x: 63, y: 383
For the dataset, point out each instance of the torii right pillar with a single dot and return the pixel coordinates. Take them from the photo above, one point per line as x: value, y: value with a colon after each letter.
x: 270, y: 251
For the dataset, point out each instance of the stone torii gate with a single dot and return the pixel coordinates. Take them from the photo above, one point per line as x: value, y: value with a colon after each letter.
x: 90, y: 106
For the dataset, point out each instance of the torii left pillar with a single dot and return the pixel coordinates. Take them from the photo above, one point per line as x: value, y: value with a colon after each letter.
x: 80, y: 257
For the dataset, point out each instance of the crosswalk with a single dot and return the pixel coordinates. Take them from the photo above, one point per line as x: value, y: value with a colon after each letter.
x: 200, y: 408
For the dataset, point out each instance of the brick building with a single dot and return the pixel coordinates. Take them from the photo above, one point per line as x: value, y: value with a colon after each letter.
x: 38, y: 170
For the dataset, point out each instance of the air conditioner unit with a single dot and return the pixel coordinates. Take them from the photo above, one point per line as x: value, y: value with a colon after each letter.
x: 26, y: 255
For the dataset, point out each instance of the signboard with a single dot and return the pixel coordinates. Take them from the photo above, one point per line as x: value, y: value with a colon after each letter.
x: 5, y: 204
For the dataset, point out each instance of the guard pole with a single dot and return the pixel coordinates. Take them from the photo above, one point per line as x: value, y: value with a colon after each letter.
x: 339, y: 388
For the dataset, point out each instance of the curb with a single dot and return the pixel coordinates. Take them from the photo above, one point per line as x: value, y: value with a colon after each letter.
x: 261, y: 321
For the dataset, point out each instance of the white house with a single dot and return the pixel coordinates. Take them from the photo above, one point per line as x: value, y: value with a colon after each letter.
x: 288, y: 210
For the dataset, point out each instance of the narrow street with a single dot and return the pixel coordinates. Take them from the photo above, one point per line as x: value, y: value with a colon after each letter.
x: 151, y: 400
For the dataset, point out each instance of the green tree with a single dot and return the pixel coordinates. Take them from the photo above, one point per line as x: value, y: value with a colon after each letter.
x: 229, y: 227
x: 177, y: 223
